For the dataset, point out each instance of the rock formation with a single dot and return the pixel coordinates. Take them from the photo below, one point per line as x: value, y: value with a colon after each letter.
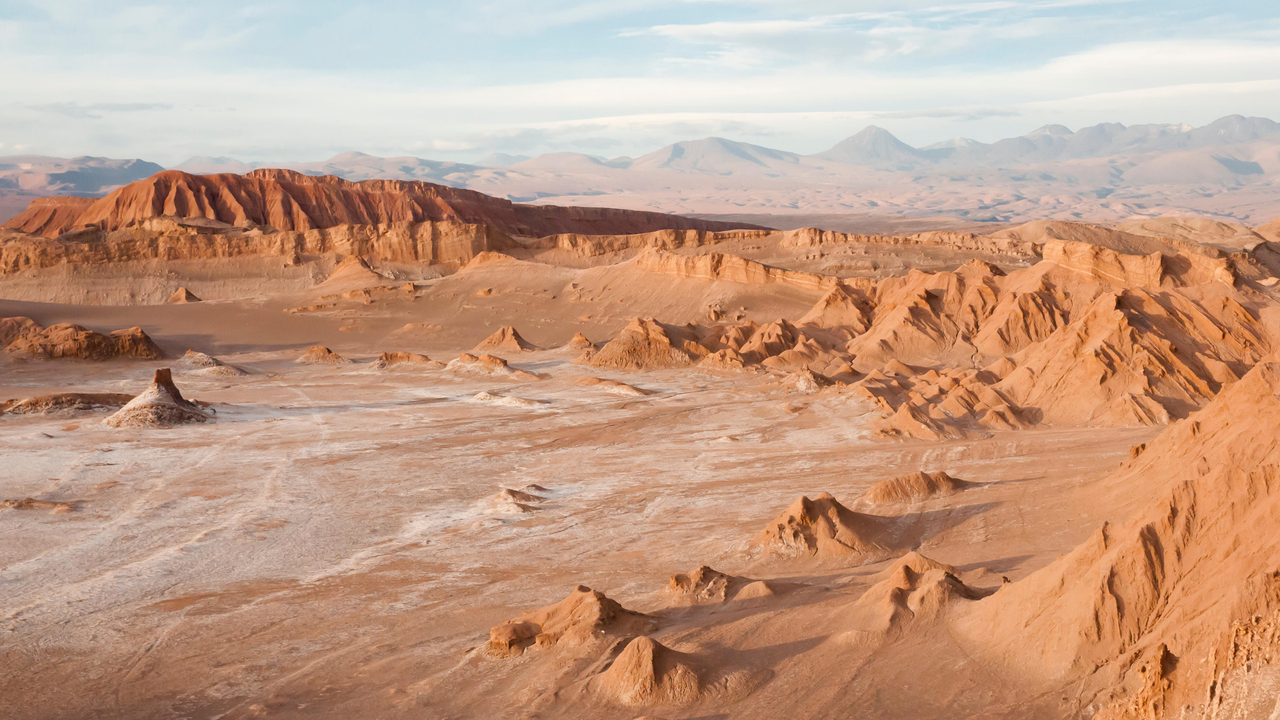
x: 199, y: 362
x: 822, y: 528
x: 613, y: 386
x: 914, y: 487
x: 584, y: 618
x: 56, y: 508
x: 579, y: 342
x: 913, y: 589
x: 65, y: 403
x: 321, y: 355
x: 393, y: 359
x: 290, y: 201
x: 506, y: 339
x: 485, y: 365
x: 727, y: 268
x: 706, y: 585
x: 182, y: 296
x: 160, y: 405
x: 1172, y: 608
x: 24, y: 337
x: 646, y: 344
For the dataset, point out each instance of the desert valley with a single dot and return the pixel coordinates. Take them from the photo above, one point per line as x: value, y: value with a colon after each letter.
x: 288, y: 445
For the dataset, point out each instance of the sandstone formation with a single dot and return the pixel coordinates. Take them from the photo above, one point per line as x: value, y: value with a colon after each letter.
x: 65, y: 403
x: 393, y: 359
x: 1178, y: 606
x: 506, y: 339
x: 913, y: 588
x: 613, y: 386
x: 486, y: 365
x: 646, y: 344
x: 56, y: 508
x: 321, y: 355
x: 647, y: 672
x: 584, y: 618
x: 182, y: 296
x: 914, y: 487
x: 160, y: 405
x: 1270, y: 231
x: 447, y: 243
x: 726, y: 268
x: 290, y: 201
x: 706, y: 585
x: 488, y: 398
x: 24, y: 337
x: 204, y: 364
x: 1139, y: 339
x: 579, y: 342
x: 822, y: 528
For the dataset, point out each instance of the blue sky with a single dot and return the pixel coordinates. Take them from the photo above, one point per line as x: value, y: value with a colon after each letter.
x: 295, y: 80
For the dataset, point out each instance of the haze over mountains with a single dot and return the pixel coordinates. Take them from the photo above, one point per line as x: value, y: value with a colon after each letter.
x: 1227, y: 169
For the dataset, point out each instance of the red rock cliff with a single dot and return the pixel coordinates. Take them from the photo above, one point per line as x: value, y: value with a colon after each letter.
x: 287, y: 200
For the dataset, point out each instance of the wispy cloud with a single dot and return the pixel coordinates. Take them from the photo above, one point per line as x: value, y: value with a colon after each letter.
x: 96, y: 111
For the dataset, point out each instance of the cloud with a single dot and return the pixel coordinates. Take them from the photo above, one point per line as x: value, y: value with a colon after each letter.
x: 948, y: 113
x: 96, y: 111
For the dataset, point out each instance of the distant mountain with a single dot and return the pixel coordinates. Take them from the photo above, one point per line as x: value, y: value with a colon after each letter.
x: 43, y: 175
x: 715, y: 156
x: 213, y: 166
x: 501, y: 160
x: 874, y: 147
x: 357, y: 166
x: 1230, y: 167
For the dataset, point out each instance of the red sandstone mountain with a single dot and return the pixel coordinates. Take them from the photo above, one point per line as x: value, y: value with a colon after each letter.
x: 287, y: 200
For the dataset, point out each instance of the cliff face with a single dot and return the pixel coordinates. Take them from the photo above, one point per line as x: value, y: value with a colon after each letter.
x: 429, y: 243
x: 289, y: 201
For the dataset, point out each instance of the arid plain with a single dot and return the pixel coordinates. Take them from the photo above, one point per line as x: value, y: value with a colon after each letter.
x: 424, y: 453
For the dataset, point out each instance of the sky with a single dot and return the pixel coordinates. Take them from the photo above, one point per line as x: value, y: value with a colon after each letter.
x: 298, y: 80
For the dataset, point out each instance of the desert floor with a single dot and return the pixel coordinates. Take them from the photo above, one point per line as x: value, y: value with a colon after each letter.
x: 331, y: 545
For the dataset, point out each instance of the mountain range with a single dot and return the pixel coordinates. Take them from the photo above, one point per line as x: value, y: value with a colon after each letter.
x: 1228, y: 169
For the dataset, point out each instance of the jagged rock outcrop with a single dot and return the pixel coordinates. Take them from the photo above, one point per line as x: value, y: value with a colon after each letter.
x: 913, y: 589
x: 394, y: 359
x: 506, y: 339
x: 995, y: 244
x: 447, y: 243
x: 1175, y: 608
x: 1135, y: 357
x: 595, y: 245
x: 1270, y: 231
x: 646, y: 344
x: 24, y: 337
x: 914, y: 487
x: 932, y: 404
x: 485, y: 365
x: 160, y: 405
x: 205, y: 364
x: 647, y: 672
x: 50, y: 216
x: 584, y: 618
x: 65, y: 403
x: 290, y: 201
x: 321, y: 355
x: 822, y: 528
x: 579, y: 342
x: 727, y: 268
x: 841, y: 307
x: 182, y: 296
x: 706, y: 585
